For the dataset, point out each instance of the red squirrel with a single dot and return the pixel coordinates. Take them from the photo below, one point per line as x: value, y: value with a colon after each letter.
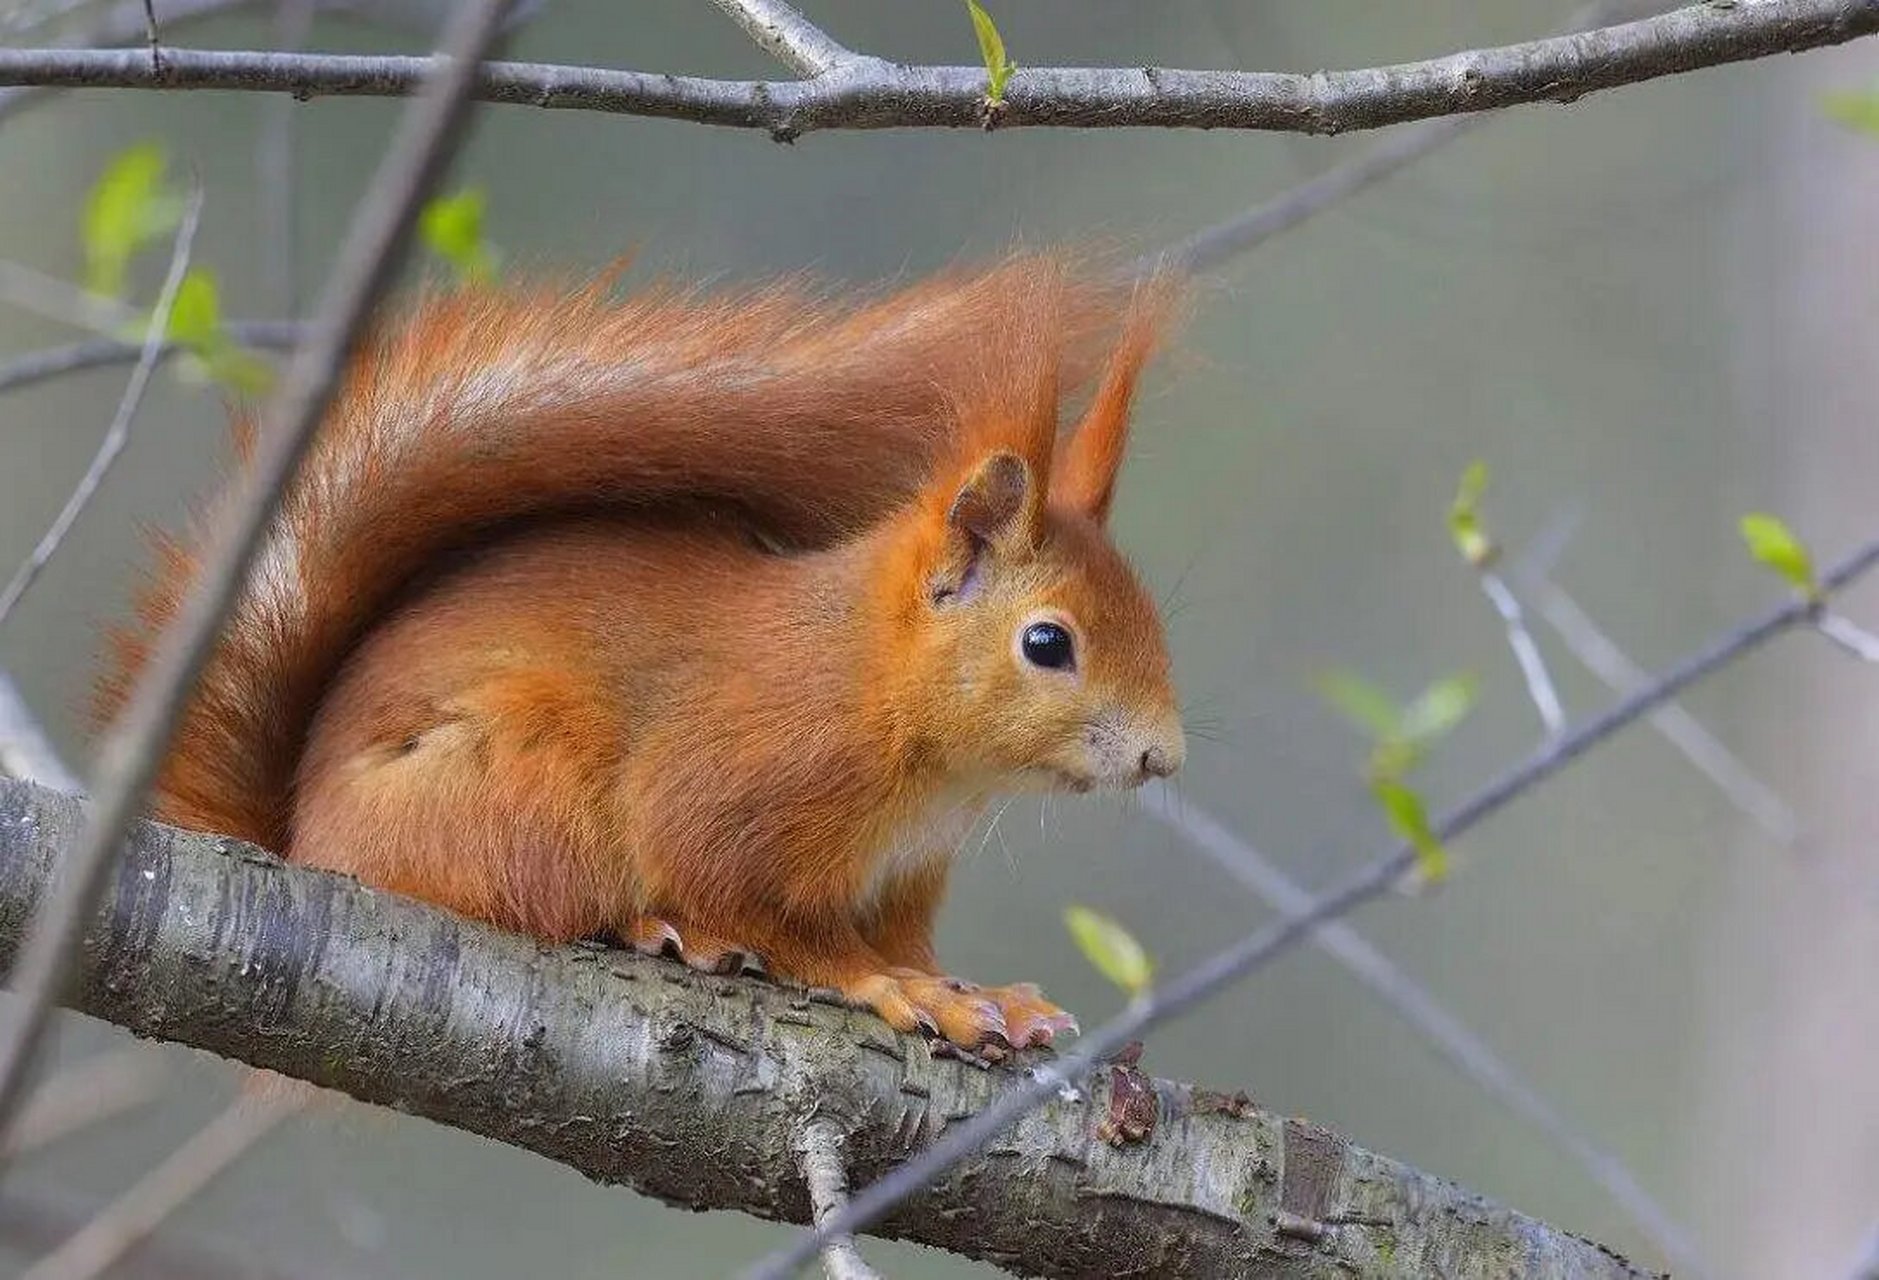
x: 709, y: 623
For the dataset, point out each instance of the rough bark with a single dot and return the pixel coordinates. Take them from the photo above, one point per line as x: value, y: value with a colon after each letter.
x: 696, y: 1090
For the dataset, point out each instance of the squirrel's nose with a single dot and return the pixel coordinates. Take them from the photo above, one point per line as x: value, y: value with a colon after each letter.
x: 1159, y: 762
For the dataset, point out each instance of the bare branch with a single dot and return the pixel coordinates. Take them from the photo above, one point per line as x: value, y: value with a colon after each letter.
x: 86, y: 1093
x: 1446, y: 1033
x: 130, y: 754
x: 1210, y: 248
x: 871, y: 94
x: 25, y: 750
x: 277, y: 171
x: 120, y: 24
x: 117, y: 435
x: 828, y: 1191
x: 627, y: 1067
x: 1527, y: 653
x: 38, y: 1221
x: 1849, y: 635
x: 153, y: 37
x: 787, y: 36
x: 178, y: 1179
x: 1604, y: 659
x: 95, y: 353
x: 33, y: 290
x: 1259, y: 948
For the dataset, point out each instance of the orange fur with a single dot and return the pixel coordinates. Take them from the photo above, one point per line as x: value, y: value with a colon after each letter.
x: 694, y: 619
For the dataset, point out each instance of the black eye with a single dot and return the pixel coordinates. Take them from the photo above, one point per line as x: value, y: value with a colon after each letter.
x: 1046, y: 644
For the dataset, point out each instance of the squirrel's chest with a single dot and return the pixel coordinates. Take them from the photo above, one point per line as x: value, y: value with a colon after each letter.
x: 936, y: 828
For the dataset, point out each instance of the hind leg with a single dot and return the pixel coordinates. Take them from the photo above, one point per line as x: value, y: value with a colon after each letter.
x: 700, y: 949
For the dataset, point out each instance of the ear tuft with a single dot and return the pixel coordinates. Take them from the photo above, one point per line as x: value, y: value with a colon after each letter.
x: 991, y: 503
x: 1084, y: 476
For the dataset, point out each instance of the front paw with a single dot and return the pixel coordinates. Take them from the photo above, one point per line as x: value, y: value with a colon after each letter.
x: 935, y: 1006
x: 1030, y: 1019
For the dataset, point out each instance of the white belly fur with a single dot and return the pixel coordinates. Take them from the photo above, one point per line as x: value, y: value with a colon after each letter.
x: 934, y: 832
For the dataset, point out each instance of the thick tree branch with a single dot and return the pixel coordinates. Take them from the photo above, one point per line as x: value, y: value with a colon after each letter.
x: 867, y: 93
x: 697, y: 1089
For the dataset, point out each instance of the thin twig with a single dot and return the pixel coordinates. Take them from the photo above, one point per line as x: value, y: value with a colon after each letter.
x: 1212, y: 247
x: 34, y: 1222
x: 1533, y: 670
x: 1370, y: 881
x: 94, y: 353
x: 130, y: 754
x: 117, y: 1229
x: 153, y: 37
x: 869, y: 93
x: 276, y: 168
x: 25, y: 749
x: 1849, y: 635
x: 87, y: 1093
x: 123, y: 23
x: 828, y: 1192
x: 1603, y: 658
x: 49, y: 296
x: 787, y: 36
x: 1447, y: 1034
x: 117, y: 435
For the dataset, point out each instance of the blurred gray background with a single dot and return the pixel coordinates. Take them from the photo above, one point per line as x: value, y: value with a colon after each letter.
x: 1653, y: 308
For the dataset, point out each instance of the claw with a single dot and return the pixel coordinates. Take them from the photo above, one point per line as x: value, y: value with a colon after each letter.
x: 661, y: 941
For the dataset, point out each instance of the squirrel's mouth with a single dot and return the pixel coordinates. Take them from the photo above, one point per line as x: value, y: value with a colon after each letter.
x: 1077, y: 782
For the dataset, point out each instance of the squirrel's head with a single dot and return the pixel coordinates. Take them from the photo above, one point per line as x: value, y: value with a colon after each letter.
x: 1045, y: 650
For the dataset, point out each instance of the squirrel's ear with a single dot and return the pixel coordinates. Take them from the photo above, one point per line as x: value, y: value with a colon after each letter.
x: 991, y: 504
x: 994, y: 508
x: 1083, y: 478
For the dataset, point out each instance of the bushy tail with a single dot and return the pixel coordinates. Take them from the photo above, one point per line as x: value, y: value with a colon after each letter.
x: 483, y: 406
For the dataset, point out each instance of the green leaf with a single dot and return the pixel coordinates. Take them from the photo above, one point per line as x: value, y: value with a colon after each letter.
x: 1855, y: 109
x: 1464, y: 517
x: 1409, y: 819
x: 1111, y: 948
x: 1439, y: 708
x: 196, y: 323
x: 196, y: 314
x: 130, y: 205
x: 998, y: 67
x: 452, y: 228
x: 1363, y: 704
x: 1774, y: 545
x: 237, y: 369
